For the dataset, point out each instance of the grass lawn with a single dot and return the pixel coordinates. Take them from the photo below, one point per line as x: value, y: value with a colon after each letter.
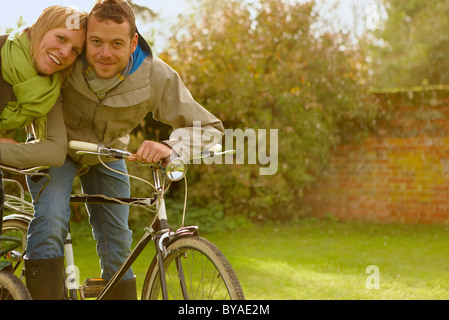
x: 320, y: 259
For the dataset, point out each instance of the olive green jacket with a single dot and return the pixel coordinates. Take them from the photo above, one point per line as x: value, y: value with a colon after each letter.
x: 154, y: 88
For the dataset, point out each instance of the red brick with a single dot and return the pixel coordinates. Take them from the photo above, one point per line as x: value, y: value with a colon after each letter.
x: 391, y: 179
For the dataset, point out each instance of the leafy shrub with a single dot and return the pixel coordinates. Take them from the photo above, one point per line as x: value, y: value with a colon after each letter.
x: 264, y: 66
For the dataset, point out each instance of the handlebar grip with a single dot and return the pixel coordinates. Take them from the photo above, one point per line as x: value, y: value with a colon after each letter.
x: 83, y: 146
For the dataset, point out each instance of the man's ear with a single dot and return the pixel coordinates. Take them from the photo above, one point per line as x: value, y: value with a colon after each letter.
x: 134, y: 42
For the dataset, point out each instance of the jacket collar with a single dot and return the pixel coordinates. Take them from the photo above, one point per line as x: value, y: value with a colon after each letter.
x: 133, y: 90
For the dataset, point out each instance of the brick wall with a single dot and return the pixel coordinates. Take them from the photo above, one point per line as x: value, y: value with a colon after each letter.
x: 400, y: 172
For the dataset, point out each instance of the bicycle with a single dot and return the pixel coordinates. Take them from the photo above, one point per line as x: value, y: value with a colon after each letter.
x: 185, y: 266
x: 11, y: 287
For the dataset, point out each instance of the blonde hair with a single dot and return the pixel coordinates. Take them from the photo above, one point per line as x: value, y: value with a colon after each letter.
x: 52, y: 18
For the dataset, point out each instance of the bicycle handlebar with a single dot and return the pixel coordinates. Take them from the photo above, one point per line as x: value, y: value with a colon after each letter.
x: 99, y: 149
x: 174, y: 170
x: 85, y: 146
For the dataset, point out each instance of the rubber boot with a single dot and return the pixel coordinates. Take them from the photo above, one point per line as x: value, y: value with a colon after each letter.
x: 124, y: 290
x: 45, y: 278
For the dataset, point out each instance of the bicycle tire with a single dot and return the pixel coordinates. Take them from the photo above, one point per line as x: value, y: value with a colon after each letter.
x: 17, y: 226
x: 210, y: 275
x: 12, y: 288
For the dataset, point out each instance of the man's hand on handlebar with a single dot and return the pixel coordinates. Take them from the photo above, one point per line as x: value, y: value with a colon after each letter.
x: 151, y: 152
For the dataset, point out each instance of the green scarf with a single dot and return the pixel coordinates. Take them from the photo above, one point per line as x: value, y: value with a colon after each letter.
x: 36, y: 94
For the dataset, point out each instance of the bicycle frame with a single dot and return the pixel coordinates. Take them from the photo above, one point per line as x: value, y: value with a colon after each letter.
x: 159, y: 231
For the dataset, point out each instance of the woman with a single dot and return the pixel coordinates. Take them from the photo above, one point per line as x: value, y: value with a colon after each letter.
x: 35, y: 62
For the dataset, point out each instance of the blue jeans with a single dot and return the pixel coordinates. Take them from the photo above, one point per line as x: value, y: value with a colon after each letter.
x: 49, y: 227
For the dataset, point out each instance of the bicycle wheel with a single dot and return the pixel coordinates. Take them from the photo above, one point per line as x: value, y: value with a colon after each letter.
x: 195, y: 269
x: 17, y: 227
x: 12, y: 288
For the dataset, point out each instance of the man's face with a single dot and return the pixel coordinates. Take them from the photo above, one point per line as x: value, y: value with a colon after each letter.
x: 108, y: 46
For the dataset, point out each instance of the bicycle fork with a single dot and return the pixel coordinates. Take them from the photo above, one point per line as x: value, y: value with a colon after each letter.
x: 160, y: 242
x: 161, y: 251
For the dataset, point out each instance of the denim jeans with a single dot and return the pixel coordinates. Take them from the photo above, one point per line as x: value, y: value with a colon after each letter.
x: 49, y: 227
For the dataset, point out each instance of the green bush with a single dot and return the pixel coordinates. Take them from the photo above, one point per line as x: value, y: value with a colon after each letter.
x: 265, y: 66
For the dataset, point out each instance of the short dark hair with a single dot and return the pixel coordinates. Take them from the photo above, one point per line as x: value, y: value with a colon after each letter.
x: 118, y: 11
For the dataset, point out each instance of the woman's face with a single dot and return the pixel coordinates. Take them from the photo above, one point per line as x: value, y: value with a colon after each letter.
x: 59, y: 49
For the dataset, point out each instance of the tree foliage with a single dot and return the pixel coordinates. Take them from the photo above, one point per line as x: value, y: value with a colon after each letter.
x: 412, y: 48
x: 262, y: 65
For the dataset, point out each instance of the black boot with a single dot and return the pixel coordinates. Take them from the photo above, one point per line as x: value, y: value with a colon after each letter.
x: 124, y: 290
x: 45, y: 278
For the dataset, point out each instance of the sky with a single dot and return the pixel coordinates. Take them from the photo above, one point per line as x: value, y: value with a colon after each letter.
x: 31, y: 9
x: 168, y: 10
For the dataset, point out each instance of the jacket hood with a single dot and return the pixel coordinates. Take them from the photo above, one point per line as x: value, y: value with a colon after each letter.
x: 143, y: 44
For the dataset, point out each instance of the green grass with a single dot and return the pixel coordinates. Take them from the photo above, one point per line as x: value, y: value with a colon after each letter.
x: 320, y: 259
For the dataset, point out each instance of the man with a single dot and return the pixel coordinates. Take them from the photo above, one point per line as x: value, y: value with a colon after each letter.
x: 110, y: 91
